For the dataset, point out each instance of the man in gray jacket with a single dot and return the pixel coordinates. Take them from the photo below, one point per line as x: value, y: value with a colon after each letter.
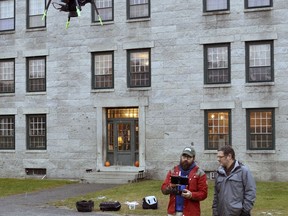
x: 235, y: 188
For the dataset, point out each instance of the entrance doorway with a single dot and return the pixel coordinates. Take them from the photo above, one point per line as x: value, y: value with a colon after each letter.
x: 122, y: 136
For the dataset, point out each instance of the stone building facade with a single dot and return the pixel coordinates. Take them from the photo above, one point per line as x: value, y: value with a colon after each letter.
x: 154, y: 78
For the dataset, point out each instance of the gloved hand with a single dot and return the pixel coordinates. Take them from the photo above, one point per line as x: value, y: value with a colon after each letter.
x: 171, y: 189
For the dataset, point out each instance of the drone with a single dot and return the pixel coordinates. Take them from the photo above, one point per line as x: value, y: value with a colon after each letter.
x: 73, y: 7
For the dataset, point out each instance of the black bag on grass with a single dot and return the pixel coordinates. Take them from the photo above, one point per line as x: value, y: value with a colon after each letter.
x: 150, y: 202
x: 110, y: 206
x: 85, y: 206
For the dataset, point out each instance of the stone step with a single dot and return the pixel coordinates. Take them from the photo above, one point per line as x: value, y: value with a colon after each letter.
x: 112, y: 177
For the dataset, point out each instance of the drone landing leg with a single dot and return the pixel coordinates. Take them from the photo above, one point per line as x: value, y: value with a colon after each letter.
x: 46, y: 9
x: 97, y: 12
x: 77, y: 8
x: 68, y: 22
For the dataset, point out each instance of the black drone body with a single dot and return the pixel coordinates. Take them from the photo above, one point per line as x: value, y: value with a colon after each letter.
x: 73, y: 7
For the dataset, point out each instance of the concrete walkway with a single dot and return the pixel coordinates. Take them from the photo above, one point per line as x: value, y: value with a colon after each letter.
x: 35, y: 204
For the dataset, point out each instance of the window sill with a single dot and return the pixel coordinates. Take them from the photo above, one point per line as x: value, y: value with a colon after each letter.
x: 102, y: 90
x: 138, y: 20
x: 210, y: 151
x: 6, y: 32
x: 42, y: 28
x: 7, y: 94
x: 35, y: 93
x: 215, y: 13
x: 228, y: 85
x: 248, y: 10
x: 140, y: 89
x: 36, y: 151
x: 261, y: 151
x: 104, y: 23
x: 259, y: 84
x: 7, y: 151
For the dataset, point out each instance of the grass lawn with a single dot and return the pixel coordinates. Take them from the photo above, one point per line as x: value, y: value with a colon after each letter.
x: 271, y: 198
x: 17, y: 186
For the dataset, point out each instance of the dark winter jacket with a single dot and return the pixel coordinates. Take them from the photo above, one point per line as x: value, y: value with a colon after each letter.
x: 234, y: 195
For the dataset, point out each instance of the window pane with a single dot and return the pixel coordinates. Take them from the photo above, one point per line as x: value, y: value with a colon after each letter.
x: 105, y: 9
x: 217, y: 57
x: 261, y: 129
x: 217, y: 64
x: 214, y: 5
x: 6, y: 15
x: 36, y: 21
x: 103, y: 70
x: 110, y: 137
x: 259, y: 3
x: 218, y: 129
x: 122, y: 113
x: 259, y: 55
x: 260, y: 68
x: 260, y: 74
x: 7, y: 132
x: 7, y: 83
x: 139, y: 69
x: 36, y: 74
x: 37, y: 132
x: 6, y: 9
x: 138, y: 8
x: 36, y: 8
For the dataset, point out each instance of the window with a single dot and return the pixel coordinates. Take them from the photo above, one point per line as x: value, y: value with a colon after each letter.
x: 36, y: 132
x: 7, y: 132
x: 35, y: 10
x: 138, y: 9
x: 139, y: 70
x: 260, y: 125
x: 259, y: 61
x: 217, y: 128
x: 36, y: 74
x: 258, y: 3
x: 7, y: 76
x: 217, y: 63
x: 35, y: 171
x: 105, y: 9
x: 102, y: 70
x: 7, y: 15
x: 215, y: 5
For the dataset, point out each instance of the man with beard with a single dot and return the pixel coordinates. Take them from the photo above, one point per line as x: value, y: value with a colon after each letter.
x: 185, y: 197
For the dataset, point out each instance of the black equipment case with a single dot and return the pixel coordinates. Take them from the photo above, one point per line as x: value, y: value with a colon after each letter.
x: 150, y: 202
x: 85, y: 206
x: 110, y: 206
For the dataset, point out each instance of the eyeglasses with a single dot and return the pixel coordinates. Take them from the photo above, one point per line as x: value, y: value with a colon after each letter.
x: 220, y: 157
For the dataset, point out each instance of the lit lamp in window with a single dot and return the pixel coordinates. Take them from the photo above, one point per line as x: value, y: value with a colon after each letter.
x: 120, y: 142
x: 222, y: 117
